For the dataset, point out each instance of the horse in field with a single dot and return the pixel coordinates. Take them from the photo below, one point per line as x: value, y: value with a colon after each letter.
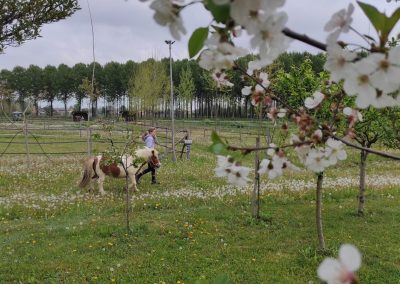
x: 94, y: 170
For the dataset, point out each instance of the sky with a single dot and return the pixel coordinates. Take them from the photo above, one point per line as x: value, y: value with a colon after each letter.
x: 125, y: 30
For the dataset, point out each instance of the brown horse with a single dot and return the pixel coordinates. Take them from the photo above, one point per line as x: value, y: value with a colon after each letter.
x: 94, y: 170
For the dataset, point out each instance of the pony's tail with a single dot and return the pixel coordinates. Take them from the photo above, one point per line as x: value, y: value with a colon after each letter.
x: 87, y: 172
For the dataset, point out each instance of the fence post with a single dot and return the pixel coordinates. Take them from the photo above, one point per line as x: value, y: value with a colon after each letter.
x: 189, y: 135
x: 255, y: 198
x: 89, y: 141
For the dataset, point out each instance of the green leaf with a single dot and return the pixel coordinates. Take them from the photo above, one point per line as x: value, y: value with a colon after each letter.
x: 219, y: 12
x: 217, y: 148
x: 392, y: 21
x: 218, y: 145
x: 196, y: 41
x: 377, y: 18
x: 215, y: 138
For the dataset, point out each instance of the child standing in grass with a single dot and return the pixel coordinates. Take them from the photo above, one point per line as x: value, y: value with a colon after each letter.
x: 150, y: 141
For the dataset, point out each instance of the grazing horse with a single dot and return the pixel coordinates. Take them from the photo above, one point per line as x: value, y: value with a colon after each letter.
x: 93, y: 169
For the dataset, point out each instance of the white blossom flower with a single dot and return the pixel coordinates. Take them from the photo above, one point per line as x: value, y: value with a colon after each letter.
x: 235, y: 174
x: 221, y: 79
x: 263, y: 79
x: 387, y: 74
x: 238, y: 175
x: 220, y: 55
x: 247, y: 90
x: 268, y: 37
x: 338, y: 62
x: 314, y: 101
x: 335, y: 151
x: 244, y: 12
x: 273, y: 167
x: 256, y: 65
x: 342, y: 270
x: 224, y: 163
x: 358, y: 83
x: 353, y: 114
x: 341, y: 19
x: 167, y: 14
x: 315, y: 161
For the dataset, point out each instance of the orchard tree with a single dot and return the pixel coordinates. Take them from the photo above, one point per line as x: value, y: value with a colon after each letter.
x: 21, y: 20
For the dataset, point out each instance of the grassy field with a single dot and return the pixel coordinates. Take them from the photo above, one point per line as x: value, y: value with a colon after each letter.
x: 191, y: 226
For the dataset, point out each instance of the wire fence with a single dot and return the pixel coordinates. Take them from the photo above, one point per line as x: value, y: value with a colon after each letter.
x: 61, y: 137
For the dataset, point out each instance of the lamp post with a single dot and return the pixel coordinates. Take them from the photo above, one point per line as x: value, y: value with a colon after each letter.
x: 172, y: 105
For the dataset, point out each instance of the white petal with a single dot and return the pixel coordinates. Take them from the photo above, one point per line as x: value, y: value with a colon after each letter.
x: 329, y: 270
x: 347, y: 111
x: 350, y: 257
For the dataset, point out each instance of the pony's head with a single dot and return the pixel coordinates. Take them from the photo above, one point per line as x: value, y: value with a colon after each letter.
x: 149, y: 154
x: 153, y: 160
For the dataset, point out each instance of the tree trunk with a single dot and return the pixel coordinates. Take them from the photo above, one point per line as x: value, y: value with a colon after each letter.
x: 318, y: 215
x: 361, y: 196
x: 255, y: 198
x: 65, y: 108
x: 51, y: 108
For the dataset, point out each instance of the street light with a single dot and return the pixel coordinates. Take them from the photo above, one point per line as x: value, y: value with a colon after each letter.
x: 170, y: 43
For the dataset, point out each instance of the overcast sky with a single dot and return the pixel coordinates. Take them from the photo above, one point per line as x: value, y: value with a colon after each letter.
x: 125, y: 30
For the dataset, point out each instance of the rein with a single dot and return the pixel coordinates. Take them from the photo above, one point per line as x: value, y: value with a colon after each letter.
x: 141, y: 166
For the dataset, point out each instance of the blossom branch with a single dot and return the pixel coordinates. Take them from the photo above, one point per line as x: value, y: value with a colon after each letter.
x: 304, y: 38
x: 278, y: 99
x: 247, y: 150
x: 369, y: 150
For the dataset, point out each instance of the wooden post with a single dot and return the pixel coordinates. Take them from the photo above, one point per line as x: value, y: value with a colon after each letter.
x: 89, y: 141
x: 318, y: 212
x: 189, y: 134
x: 255, y: 198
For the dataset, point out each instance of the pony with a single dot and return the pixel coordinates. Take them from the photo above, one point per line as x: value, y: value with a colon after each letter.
x: 94, y: 170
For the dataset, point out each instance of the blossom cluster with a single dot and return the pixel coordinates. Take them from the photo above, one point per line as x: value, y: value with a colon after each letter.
x: 372, y: 78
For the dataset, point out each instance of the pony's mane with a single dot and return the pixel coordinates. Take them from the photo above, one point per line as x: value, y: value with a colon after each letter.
x: 145, y: 152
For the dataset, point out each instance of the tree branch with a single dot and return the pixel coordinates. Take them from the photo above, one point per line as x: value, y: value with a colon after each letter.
x: 368, y: 150
x: 304, y: 38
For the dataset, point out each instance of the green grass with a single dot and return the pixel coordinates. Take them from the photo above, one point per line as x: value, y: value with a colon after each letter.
x: 180, y: 238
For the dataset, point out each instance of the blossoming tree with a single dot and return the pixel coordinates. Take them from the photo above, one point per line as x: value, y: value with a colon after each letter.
x: 370, y: 78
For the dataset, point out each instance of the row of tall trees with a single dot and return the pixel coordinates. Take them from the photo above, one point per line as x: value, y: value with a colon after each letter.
x: 142, y: 88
